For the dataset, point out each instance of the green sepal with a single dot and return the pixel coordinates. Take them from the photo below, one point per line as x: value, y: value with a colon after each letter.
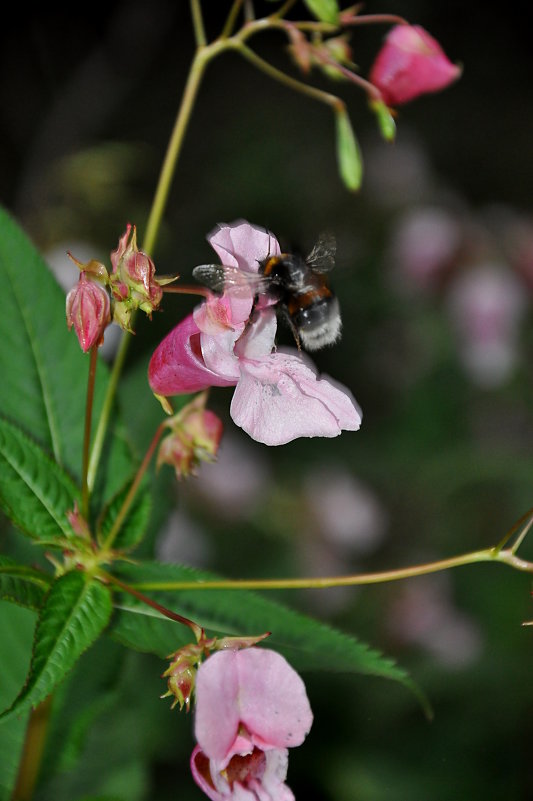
x: 324, y: 10
x: 349, y: 158
x: 386, y: 122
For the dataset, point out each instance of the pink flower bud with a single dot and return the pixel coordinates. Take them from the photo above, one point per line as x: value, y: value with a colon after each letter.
x: 195, y: 437
x: 88, y: 310
x: 133, y: 282
x: 411, y: 63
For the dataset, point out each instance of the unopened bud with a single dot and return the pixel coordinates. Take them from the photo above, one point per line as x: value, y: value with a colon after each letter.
x: 88, y: 310
x: 133, y: 281
x: 195, y: 436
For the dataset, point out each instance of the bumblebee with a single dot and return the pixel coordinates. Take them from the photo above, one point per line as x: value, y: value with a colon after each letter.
x: 298, y: 286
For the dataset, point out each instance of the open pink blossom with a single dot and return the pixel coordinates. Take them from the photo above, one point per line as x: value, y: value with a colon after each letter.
x: 411, y: 63
x: 251, y: 706
x: 230, y: 342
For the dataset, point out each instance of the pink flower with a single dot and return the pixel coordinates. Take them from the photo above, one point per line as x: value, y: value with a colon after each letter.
x: 411, y: 63
x: 278, y: 396
x: 251, y: 706
x: 88, y: 310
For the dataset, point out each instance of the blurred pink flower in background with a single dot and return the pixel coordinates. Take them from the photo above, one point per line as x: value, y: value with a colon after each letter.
x: 251, y: 706
x: 486, y: 304
x: 236, y: 484
x: 347, y: 513
x: 424, y: 244
x: 422, y: 613
x: 411, y: 63
x: 278, y: 396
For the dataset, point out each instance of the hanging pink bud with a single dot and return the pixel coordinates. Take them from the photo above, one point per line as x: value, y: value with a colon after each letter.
x: 195, y: 436
x: 411, y: 63
x: 88, y: 310
x: 133, y: 282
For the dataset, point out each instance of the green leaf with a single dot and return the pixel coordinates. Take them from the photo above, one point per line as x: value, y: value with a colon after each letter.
x: 348, y: 153
x: 386, y: 123
x: 75, y: 612
x: 44, y: 372
x: 307, y: 643
x: 16, y: 632
x: 324, y: 10
x: 35, y: 492
x: 136, y: 521
x: 22, y: 585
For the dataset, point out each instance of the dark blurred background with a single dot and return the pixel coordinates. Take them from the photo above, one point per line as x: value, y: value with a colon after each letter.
x: 435, y: 280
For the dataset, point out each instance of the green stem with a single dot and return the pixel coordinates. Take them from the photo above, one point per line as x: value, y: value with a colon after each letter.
x: 230, y: 22
x: 486, y: 555
x: 32, y: 752
x: 200, y: 61
x: 203, y: 55
x: 195, y: 628
x: 85, y: 493
x: 292, y: 83
x: 105, y: 414
x: 198, y: 23
x: 128, y: 500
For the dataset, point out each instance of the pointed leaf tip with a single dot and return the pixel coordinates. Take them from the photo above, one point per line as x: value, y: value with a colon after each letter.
x: 324, y: 10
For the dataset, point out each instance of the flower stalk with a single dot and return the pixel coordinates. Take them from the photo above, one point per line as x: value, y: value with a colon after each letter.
x: 85, y: 492
x: 506, y: 557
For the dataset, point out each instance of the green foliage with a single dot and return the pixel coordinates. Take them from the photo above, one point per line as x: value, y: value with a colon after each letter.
x: 348, y: 153
x: 135, y: 523
x: 34, y: 491
x: 307, y: 643
x: 16, y: 631
x: 325, y: 10
x: 386, y: 123
x: 22, y: 585
x: 75, y: 612
x: 42, y: 362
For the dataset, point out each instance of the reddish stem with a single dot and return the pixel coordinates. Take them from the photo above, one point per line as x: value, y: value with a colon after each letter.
x: 195, y: 628
x: 87, y: 433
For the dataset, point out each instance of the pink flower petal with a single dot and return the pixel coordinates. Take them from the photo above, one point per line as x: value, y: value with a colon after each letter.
x: 258, y: 337
x: 254, y: 687
x: 177, y: 365
x: 279, y: 399
x: 242, y: 245
x: 218, y: 355
x: 411, y: 63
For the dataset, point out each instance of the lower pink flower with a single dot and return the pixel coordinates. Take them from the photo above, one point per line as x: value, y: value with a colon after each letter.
x: 251, y: 706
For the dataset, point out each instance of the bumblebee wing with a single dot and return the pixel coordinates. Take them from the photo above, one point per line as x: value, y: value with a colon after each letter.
x: 322, y: 257
x: 213, y: 276
x: 219, y: 278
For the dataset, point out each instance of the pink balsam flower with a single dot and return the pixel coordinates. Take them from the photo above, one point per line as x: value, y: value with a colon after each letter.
x: 411, y: 63
x: 251, y: 706
x: 230, y: 341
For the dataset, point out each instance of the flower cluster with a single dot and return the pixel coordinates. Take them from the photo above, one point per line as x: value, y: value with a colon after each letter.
x: 229, y: 340
x: 251, y: 707
x: 132, y: 283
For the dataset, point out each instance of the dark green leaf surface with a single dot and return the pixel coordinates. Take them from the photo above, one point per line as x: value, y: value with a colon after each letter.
x: 35, y: 492
x: 308, y: 644
x: 44, y: 372
x: 16, y: 632
x: 75, y: 612
x: 22, y: 585
x: 135, y: 523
